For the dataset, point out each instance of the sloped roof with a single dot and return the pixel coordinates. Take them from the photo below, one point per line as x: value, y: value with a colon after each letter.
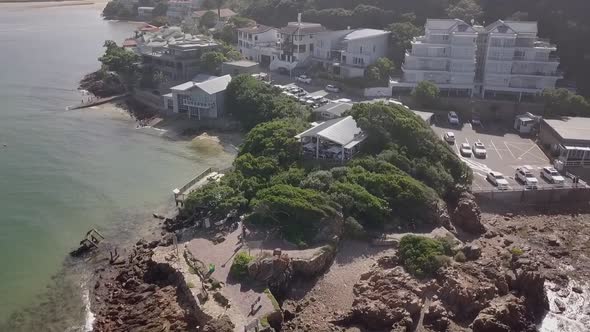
x: 365, y: 33
x: 341, y: 130
x: 210, y: 86
x: 224, y: 12
x: 514, y: 26
x: 522, y: 27
x: 303, y: 28
x: 215, y: 85
x: 259, y: 28
x: 334, y: 108
x: 448, y: 25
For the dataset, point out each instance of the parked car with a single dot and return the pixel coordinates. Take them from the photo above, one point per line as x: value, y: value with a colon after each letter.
x: 283, y: 70
x: 498, y: 180
x: 479, y: 150
x: 332, y: 88
x: 465, y: 150
x: 301, y: 93
x: 449, y: 137
x: 343, y: 100
x: 295, y: 89
x: 525, y: 175
x: 552, y: 176
x: 476, y: 119
x: 453, y: 118
x: 303, y: 79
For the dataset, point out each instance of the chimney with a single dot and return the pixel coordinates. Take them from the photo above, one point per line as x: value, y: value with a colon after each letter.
x: 299, y: 18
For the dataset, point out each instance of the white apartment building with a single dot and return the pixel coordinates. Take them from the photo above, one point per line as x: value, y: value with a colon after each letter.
x: 445, y: 55
x: 259, y: 43
x: 513, y: 61
x: 503, y: 59
x: 296, y: 45
x: 347, y: 53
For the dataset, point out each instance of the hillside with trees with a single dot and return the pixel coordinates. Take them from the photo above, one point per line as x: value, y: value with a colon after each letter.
x: 400, y: 178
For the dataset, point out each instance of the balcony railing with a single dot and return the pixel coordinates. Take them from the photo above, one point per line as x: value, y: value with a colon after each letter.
x: 412, y: 53
x: 551, y: 58
x: 423, y: 68
x: 557, y: 73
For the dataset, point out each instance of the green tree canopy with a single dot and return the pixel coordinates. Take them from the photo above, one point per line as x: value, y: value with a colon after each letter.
x: 420, y: 255
x: 381, y: 70
x: 426, y: 94
x: 298, y: 212
x: 562, y: 102
x: 465, y: 10
x: 275, y: 139
x: 251, y: 102
x: 208, y: 20
x: 401, y: 36
x: 211, y: 61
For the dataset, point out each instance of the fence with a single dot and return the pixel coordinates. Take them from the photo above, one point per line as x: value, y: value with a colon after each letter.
x: 180, y: 194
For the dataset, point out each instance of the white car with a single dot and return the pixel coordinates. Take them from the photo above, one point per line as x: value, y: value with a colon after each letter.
x: 479, y: 150
x: 332, y: 88
x: 343, y: 100
x: 552, y: 176
x: 525, y: 175
x: 449, y: 137
x: 392, y: 101
x: 453, y: 118
x: 303, y: 79
x: 498, y: 180
x: 465, y: 150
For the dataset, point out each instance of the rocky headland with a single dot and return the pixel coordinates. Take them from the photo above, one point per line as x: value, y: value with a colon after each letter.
x: 511, y: 273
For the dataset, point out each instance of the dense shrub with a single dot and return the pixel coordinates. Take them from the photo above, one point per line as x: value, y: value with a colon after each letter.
x: 298, y: 212
x: 406, y: 141
x: 275, y: 139
x: 421, y: 256
x: 239, y: 266
x: 215, y: 198
x: 426, y: 94
x: 353, y: 229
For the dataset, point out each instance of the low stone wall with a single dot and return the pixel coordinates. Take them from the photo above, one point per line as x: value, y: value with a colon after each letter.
x: 535, y: 197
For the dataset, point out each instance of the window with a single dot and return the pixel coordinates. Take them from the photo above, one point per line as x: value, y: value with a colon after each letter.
x: 311, y: 47
x: 374, y: 48
x: 302, y: 48
x: 361, y: 50
x: 310, y: 36
x: 446, y: 37
x: 255, y: 37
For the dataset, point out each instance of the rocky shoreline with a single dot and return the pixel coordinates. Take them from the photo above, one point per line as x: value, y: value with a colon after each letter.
x: 502, y: 285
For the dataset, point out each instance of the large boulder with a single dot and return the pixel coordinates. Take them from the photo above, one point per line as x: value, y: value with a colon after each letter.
x: 465, y: 292
x: 467, y: 214
x: 310, y: 267
x: 386, y: 298
x: 505, y: 314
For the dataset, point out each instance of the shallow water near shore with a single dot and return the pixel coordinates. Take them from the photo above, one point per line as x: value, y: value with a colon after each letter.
x: 64, y: 172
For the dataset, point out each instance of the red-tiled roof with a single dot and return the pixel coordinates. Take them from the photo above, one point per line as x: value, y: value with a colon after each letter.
x: 130, y: 42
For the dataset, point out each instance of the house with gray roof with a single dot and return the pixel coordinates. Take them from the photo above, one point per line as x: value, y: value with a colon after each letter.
x: 347, y: 53
x: 199, y: 99
x: 331, y: 110
x: 337, y: 139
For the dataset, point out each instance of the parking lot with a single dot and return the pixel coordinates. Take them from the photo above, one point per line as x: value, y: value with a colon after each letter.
x: 506, y: 151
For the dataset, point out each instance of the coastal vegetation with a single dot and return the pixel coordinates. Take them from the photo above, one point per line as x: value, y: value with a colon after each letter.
x: 562, y: 102
x: 398, y: 180
x: 119, y: 72
x: 422, y: 256
x: 239, y: 266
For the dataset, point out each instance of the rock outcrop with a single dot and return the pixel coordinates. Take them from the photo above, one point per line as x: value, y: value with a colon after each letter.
x: 386, y: 298
x: 467, y: 214
x: 504, y: 314
x: 141, y: 295
x: 315, y: 265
